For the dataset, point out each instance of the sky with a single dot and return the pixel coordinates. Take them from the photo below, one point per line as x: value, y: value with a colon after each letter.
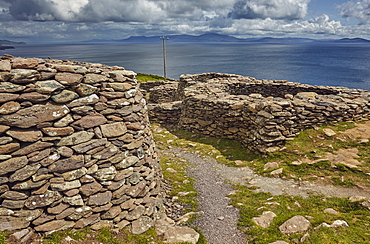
x: 78, y: 20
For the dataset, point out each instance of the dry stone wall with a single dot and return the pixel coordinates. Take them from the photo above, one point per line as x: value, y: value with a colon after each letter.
x: 75, y: 148
x: 262, y: 114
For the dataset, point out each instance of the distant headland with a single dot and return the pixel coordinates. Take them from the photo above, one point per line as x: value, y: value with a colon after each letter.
x: 9, y: 42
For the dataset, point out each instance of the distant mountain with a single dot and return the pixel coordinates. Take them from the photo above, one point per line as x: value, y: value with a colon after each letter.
x: 213, y: 37
x: 353, y: 40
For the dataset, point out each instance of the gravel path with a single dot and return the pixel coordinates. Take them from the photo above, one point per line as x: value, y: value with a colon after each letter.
x: 219, y: 220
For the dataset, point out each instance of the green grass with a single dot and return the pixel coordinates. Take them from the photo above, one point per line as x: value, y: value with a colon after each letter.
x: 252, y: 204
x: 148, y: 77
x: 3, y: 236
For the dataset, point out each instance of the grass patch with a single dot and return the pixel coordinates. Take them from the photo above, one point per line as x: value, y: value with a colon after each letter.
x: 252, y: 204
x: 3, y: 236
x: 57, y: 237
x: 141, y: 77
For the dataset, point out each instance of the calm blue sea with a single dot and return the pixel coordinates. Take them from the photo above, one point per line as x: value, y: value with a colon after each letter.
x: 316, y: 64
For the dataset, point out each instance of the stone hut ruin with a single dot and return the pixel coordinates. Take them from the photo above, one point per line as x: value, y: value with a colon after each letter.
x: 261, y: 114
x: 76, y: 148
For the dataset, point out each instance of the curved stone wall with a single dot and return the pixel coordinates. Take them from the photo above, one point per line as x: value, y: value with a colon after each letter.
x: 262, y: 114
x: 75, y: 147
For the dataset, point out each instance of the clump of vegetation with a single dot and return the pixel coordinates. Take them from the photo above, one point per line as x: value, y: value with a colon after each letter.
x: 253, y: 204
x: 148, y: 77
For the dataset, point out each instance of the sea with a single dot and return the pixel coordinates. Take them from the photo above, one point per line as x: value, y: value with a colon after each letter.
x: 324, y: 64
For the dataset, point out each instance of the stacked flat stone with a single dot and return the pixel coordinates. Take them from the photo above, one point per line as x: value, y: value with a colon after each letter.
x: 76, y: 148
x: 262, y: 114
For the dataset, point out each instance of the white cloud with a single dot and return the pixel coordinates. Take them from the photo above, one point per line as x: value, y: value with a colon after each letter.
x: 273, y: 9
x: 356, y: 9
x: 320, y: 25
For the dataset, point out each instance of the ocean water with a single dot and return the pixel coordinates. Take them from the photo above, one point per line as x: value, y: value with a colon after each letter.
x: 315, y: 64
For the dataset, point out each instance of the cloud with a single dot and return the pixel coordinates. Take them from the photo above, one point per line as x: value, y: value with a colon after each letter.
x: 356, y: 9
x: 84, y: 10
x: 273, y: 9
x: 321, y: 25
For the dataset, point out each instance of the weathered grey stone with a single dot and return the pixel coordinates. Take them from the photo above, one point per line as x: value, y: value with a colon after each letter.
x: 5, y: 65
x: 65, y: 121
x: 52, y: 131
x: 294, y: 225
x: 141, y: 225
x: 9, y: 107
x: 6, y: 97
x: 90, y: 121
x: 265, y: 219
x: 9, y: 223
x: 91, y: 188
x: 105, y: 174
x: 79, y: 213
x: 127, y: 162
x: 102, y: 224
x: 95, y: 78
x: 8, y: 86
x: 5, y: 140
x: 12, y: 164
x: 13, y: 204
x: 58, y: 209
x: 111, y: 213
x: 66, y: 185
x: 8, y: 148
x: 69, y: 79
x: 55, y: 225
x: 33, y: 97
x: 120, y: 86
x: 65, y: 96
x: 14, y: 195
x: 24, y: 75
x: 24, y: 173
x: 30, y: 184
x: 84, y: 147
x: 114, y: 129
x: 177, y: 234
x: 39, y: 145
x: 48, y: 86
x: 106, y: 152
x: 39, y: 201
x: 74, y: 200
x: 85, y: 90
x: 92, y: 219
x: 38, y: 156
x: 74, y: 174
x: 89, y: 100
x: 24, y: 63
x: 25, y: 135
x: 67, y: 164
x: 40, y: 114
x: 100, y: 198
x: 76, y: 138
x: 65, y: 213
x: 136, y: 213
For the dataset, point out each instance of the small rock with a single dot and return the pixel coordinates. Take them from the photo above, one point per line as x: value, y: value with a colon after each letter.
x: 331, y: 211
x: 277, y: 172
x: 294, y: 225
x: 329, y: 132
x: 271, y: 165
x: 265, y: 219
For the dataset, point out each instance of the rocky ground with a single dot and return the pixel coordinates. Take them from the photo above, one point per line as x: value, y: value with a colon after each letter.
x: 218, y: 220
